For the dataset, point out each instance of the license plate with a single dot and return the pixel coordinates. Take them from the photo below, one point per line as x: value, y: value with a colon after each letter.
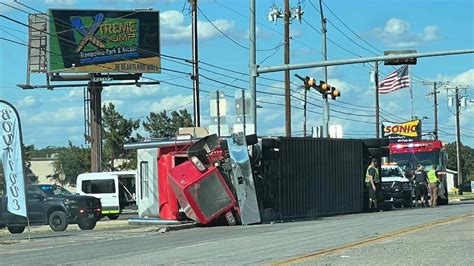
x: 90, y: 216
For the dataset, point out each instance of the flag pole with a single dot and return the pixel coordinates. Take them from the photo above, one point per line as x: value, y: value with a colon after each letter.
x: 411, y: 90
x: 377, y: 122
x: 24, y: 172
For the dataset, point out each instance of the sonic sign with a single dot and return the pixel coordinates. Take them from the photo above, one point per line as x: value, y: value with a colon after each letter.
x: 94, y: 41
x: 407, y: 132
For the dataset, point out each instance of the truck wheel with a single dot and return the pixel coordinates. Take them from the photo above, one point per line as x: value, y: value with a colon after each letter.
x: 57, y: 221
x: 86, y: 224
x: 407, y: 203
x: 397, y: 204
x: 113, y: 216
x: 16, y: 229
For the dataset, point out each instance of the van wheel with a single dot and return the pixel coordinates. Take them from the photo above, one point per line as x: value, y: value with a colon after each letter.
x: 57, y: 221
x: 86, y: 224
x: 113, y: 216
x: 16, y: 229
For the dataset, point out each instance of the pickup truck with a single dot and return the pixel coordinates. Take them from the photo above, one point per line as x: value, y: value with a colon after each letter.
x: 397, y: 189
x: 55, y: 206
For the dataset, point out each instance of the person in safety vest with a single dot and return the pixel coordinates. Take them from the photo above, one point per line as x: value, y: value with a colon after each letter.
x: 372, y: 181
x: 421, y: 182
x: 433, y: 184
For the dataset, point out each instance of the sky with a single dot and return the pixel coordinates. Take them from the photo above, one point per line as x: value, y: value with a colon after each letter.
x: 355, y: 29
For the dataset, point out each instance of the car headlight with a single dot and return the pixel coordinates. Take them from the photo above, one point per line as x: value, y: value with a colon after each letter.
x: 69, y: 202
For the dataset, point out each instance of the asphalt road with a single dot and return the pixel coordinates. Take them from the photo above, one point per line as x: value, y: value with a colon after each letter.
x: 412, y: 236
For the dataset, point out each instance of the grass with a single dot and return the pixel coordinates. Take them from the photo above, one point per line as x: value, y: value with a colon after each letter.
x: 464, y: 196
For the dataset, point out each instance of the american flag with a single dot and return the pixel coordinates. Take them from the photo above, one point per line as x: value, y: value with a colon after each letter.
x: 395, y: 81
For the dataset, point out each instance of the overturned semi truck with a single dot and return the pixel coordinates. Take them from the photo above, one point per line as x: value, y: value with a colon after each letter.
x: 247, y: 180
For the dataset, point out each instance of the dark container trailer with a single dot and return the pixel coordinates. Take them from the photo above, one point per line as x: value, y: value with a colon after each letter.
x: 307, y: 177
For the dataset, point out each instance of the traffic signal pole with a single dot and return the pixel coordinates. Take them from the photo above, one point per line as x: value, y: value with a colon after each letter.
x: 359, y: 60
x: 325, y: 74
x: 287, y: 72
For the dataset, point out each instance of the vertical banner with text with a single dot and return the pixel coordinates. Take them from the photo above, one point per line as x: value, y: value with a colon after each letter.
x: 12, y: 161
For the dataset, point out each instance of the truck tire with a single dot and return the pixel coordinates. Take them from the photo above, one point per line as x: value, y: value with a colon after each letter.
x: 443, y: 201
x: 113, y: 216
x: 86, y: 224
x: 16, y: 229
x: 407, y: 203
x: 57, y: 221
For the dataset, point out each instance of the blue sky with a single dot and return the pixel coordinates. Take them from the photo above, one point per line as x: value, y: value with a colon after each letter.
x: 52, y: 117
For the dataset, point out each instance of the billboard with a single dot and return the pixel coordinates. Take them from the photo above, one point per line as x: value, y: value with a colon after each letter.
x: 407, y: 132
x: 104, y: 41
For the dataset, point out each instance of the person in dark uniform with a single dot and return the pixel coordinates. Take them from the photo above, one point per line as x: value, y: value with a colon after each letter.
x: 372, y: 181
x: 421, y: 183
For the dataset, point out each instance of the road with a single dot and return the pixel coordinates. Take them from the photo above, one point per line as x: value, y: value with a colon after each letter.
x: 441, y: 235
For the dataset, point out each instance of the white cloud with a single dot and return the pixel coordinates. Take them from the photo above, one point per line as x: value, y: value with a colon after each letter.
x: 397, y: 33
x: 130, y: 91
x: 466, y: 78
x: 60, y: 2
x: 72, y: 95
x: 166, y: 103
x: 56, y: 117
x: 175, y: 30
x: 27, y: 102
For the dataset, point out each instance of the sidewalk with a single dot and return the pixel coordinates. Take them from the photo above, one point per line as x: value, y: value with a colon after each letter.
x: 106, y: 224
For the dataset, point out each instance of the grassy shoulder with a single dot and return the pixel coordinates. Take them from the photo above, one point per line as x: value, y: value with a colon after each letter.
x: 464, y: 196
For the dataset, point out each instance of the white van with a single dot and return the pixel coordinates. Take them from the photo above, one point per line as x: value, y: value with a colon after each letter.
x: 116, y: 190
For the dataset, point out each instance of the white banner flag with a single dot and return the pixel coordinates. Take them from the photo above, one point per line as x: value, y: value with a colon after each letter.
x: 10, y: 145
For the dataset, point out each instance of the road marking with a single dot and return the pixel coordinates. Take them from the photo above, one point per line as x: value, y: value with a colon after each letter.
x: 401, y: 232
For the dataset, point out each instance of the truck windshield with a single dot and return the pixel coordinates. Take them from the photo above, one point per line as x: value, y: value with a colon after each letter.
x: 386, y: 172
x: 55, y: 191
x: 409, y: 161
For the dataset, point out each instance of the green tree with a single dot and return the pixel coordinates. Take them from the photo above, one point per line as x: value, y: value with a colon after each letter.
x: 162, y: 126
x: 70, y: 162
x: 467, y: 159
x: 116, y: 130
x: 30, y: 176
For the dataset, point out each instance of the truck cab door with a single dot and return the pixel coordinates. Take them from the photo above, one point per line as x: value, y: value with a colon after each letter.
x: 36, y: 201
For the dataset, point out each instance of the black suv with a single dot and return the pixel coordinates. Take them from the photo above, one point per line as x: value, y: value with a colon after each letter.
x: 53, y: 205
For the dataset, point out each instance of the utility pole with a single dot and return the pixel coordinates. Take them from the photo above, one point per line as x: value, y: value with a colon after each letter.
x: 325, y: 74
x: 377, y: 105
x: 287, y: 15
x: 197, y: 115
x: 435, y: 96
x: 253, y: 64
x: 458, y: 143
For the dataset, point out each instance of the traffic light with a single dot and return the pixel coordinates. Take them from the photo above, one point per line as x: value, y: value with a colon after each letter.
x: 308, y: 82
x: 323, y: 88
x: 335, y: 93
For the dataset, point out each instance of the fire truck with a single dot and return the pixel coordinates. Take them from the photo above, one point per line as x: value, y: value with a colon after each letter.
x: 427, y: 153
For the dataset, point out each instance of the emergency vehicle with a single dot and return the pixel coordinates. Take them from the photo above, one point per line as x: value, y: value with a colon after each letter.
x: 427, y: 153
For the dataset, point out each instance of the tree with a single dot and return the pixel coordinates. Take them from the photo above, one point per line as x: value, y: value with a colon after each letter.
x: 162, y: 126
x: 116, y: 130
x: 30, y: 177
x: 70, y: 162
x: 467, y: 159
